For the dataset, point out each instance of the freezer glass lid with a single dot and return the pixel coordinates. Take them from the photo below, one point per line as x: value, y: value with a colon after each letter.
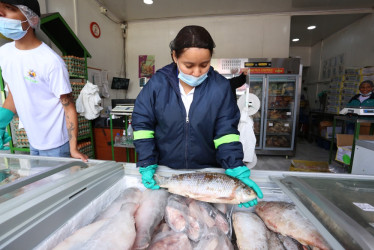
x: 19, y: 175
x: 343, y: 206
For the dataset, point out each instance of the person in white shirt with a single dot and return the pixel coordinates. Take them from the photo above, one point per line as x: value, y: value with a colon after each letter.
x: 38, y: 83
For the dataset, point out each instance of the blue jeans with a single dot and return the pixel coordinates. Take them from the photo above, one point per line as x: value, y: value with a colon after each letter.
x: 62, y: 151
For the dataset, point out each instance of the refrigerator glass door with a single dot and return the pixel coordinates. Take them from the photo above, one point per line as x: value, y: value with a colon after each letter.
x: 256, y: 86
x: 281, y: 112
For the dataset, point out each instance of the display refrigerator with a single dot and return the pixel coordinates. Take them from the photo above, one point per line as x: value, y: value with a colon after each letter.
x: 45, y: 200
x: 278, y: 88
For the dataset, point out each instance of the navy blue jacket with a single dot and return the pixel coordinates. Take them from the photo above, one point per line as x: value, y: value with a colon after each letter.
x: 187, y: 143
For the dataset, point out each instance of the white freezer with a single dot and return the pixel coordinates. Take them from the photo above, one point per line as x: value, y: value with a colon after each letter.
x: 341, y: 206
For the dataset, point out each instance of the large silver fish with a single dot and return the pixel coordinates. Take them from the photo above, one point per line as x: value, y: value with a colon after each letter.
x: 283, y: 218
x: 208, y: 187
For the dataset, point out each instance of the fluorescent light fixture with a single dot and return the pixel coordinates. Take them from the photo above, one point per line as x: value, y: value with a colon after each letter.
x: 148, y: 1
x: 312, y: 27
x: 295, y: 40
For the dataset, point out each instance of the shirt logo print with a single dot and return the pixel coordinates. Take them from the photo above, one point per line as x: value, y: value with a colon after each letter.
x: 32, y: 73
x: 31, y: 76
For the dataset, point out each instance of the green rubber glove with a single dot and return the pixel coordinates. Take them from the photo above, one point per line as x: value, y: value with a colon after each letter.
x: 242, y: 173
x: 5, y: 117
x: 147, y: 176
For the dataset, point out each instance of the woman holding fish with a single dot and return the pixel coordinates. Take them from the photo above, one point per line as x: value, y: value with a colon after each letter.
x: 186, y: 118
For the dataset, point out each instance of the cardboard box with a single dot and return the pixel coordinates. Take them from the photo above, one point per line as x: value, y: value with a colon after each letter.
x: 309, y: 166
x: 365, y: 128
x: 344, y: 143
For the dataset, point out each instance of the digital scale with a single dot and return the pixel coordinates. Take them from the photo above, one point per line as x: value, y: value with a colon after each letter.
x: 122, y: 110
x: 357, y: 111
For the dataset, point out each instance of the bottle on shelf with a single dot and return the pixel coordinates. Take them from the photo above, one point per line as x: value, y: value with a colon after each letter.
x: 117, y: 139
x: 124, y: 138
x: 130, y: 134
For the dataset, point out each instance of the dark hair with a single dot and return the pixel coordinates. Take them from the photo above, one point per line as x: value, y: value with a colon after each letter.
x: 367, y: 81
x: 192, y: 36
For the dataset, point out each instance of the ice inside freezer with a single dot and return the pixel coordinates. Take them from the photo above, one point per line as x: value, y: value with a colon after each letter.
x: 344, y: 206
x: 19, y: 175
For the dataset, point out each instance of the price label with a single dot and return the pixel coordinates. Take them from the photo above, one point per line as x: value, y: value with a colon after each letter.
x: 288, y: 113
x: 364, y: 206
x: 286, y: 124
x: 270, y: 124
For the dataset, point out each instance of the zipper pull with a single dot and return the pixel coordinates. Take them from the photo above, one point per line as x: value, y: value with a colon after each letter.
x: 187, y: 120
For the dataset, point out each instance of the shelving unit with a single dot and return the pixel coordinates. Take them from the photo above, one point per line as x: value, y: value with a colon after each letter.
x: 23, y: 143
x: 126, y: 111
x: 75, y: 55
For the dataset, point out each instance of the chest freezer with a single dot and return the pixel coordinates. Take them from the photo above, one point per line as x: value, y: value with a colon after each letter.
x: 339, y: 205
x: 40, y: 194
x: 364, y: 158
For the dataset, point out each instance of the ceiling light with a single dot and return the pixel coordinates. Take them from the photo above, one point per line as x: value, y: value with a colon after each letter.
x: 312, y: 27
x: 295, y: 40
x: 148, y: 1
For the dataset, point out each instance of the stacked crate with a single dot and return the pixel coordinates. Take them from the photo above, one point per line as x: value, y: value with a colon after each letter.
x: 76, y: 66
x: 86, y: 148
x: 84, y: 128
x: 367, y: 73
x: 342, y: 89
x: 19, y: 135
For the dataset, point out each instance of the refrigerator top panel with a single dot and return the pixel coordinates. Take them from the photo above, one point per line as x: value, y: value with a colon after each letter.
x: 231, y: 66
x: 345, y: 207
x: 18, y: 175
x: 290, y: 65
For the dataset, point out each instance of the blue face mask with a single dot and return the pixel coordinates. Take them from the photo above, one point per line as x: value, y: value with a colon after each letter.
x: 191, y: 80
x: 12, y: 28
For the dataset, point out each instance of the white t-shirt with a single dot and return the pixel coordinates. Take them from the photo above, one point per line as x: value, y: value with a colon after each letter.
x: 363, y: 98
x: 37, y: 78
x: 186, y: 98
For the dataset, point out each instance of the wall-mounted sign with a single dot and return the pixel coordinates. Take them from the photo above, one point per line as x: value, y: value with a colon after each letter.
x: 146, y: 66
x: 95, y: 29
x: 257, y: 64
x: 266, y: 70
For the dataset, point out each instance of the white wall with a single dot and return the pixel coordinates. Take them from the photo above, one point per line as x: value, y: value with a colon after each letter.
x: 354, y: 41
x: 258, y: 36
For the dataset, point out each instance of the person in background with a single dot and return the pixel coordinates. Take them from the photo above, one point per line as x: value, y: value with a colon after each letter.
x: 366, y: 96
x: 184, y: 119
x: 38, y: 83
x: 238, y: 81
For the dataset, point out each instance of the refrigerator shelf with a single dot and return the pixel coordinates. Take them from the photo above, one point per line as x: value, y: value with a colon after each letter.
x: 281, y: 108
x: 280, y: 95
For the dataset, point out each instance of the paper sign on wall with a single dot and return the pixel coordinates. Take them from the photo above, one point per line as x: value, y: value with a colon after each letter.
x: 146, y: 66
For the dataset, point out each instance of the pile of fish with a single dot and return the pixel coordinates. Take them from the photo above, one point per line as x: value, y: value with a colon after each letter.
x: 202, y: 224
x: 275, y: 225
x: 156, y: 219
x: 153, y: 219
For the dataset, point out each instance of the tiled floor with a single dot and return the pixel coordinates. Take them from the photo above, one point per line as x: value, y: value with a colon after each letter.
x: 304, y: 151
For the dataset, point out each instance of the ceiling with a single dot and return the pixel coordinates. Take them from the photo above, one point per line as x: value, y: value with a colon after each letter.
x: 326, y: 25
x: 328, y: 15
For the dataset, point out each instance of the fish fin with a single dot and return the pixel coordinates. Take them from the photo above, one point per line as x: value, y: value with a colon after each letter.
x: 159, y: 179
